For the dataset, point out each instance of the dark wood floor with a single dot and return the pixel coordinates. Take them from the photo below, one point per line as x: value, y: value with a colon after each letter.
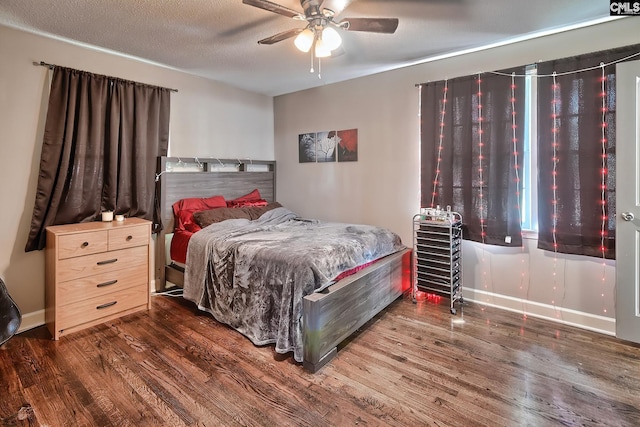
x: 412, y: 365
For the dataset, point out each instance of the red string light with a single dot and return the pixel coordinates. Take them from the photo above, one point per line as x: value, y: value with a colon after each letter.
x: 483, y: 233
x: 603, y: 170
x: 603, y: 177
x: 440, y: 141
x: 554, y: 158
x: 480, y: 158
x: 426, y: 296
x: 555, y: 87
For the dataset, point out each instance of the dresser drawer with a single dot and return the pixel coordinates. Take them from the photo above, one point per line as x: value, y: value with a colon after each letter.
x: 73, y: 245
x: 94, y: 308
x: 96, y: 271
x: 101, y: 284
x: 89, y: 265
x: 128, y: 237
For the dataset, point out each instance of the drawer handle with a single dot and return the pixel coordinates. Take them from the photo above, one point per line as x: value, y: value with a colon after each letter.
x: 129, y: 238
x: 109, y: 261
x: 85, y: 244
x: 109, y: 304
x: 102, y: 285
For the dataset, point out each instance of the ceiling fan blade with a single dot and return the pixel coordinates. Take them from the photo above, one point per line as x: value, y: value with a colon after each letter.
x: 372, y: 25
x: 272, y: 7
x: 281, y: 36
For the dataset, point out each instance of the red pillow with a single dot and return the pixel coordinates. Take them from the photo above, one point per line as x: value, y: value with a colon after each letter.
x: 188, y: 222
x: 183, y: 210
x: 246, y: 203
x: 249, y: 197
x: 199, y: 203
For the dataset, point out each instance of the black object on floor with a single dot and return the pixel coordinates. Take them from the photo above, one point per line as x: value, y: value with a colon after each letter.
x: 10, y: 316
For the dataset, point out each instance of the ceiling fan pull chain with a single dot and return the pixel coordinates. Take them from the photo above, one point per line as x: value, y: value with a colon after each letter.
x: 311, y: 70
x: 319, y: 68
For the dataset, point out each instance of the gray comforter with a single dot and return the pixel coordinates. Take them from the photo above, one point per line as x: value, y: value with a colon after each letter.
x: 252, y: 275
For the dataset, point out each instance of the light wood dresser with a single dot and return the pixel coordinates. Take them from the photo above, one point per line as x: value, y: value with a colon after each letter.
x: 95, y: 272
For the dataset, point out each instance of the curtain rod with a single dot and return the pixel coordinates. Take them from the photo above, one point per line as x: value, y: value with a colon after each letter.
x: 52, y: 66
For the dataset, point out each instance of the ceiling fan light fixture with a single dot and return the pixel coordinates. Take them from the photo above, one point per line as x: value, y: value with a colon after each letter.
x: 322, y: 32
x: 330, y: 38
x: 322, y: 51
x: 304, y: 40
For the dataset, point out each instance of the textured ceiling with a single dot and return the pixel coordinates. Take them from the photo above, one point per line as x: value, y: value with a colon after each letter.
x: 217, y: 39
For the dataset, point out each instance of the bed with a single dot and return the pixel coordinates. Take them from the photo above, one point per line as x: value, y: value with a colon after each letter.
x: 331, y: 313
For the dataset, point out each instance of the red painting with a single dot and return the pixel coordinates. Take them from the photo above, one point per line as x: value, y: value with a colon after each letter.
x: 347, y: 145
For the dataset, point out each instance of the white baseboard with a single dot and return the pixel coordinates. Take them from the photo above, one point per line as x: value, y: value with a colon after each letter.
x: 591, y: 322
x: 31, y: 320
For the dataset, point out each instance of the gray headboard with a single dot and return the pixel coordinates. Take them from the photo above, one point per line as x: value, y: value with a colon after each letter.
x: 182, y: 177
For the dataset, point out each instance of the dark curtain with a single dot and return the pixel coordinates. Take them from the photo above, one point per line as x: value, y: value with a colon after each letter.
x: 577, y: 125
x: 491, y: 206
x: 101, y: 141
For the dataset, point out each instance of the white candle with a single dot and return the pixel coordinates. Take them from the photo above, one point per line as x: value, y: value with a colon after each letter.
x: 107, y: 216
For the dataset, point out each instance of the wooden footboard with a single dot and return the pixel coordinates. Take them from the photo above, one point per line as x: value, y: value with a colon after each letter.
x: 334, y: 314
x: 329, y: 317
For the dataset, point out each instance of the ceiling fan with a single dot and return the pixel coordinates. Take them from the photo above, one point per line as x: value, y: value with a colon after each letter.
x: 321, y: 32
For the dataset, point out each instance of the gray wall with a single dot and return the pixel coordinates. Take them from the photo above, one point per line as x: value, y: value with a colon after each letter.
x: 207, y: 119
x: 382, y: 187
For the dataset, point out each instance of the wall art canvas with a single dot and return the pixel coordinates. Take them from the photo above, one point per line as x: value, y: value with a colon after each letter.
x: 347, y: 141
x: 328, y: 146
x: 307, y: 148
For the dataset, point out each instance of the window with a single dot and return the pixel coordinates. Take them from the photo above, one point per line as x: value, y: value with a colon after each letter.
x: 552, y: 173
x: 101, y: 142
x: 467, y: 155
x: 529, y: 193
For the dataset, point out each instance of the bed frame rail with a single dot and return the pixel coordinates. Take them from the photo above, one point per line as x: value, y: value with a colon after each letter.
x: 333, y: 315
